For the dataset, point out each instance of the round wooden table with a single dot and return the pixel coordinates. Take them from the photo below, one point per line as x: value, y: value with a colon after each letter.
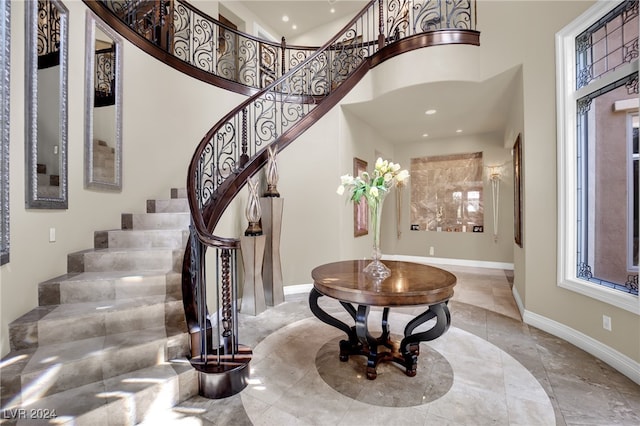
x: 410, y: 284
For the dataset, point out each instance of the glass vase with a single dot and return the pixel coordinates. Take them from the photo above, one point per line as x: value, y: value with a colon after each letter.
x: 376, y: 269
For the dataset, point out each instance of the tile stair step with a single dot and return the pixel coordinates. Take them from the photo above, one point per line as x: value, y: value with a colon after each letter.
x: 145, y: 238
x: 52, y: 324
x: 156, y: 220
x: 173, y: 205
x: 127, y: 399
x: 118, y: 259
x: 121, y: 309
x: 78, y: 287
x: 62, y: 366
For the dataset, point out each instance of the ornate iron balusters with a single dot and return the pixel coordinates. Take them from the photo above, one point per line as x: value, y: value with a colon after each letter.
x: 228, y: 322
x: 397, y: 19
x: 193, y: 39
x: 208, y: 45
x: 380, y: 24
x: 244, y: 157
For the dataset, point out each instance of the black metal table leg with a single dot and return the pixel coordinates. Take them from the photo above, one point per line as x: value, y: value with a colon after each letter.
x: 361, y: 342
x: 410, y: 344
x: 347, y: 347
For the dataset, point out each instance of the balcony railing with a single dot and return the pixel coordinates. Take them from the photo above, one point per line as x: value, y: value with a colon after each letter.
x: 204, y: 43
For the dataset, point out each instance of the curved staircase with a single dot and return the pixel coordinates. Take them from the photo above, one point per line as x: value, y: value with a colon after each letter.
x: 108, y: 341
x: 236, y: 148
x: 118, y: 338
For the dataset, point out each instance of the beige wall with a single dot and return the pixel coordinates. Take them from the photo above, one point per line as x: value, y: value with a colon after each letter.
x: 318, y: 223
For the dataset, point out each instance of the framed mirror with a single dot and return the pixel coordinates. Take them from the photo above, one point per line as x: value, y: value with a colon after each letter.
x: 46, y: 104
x: 103, y: 107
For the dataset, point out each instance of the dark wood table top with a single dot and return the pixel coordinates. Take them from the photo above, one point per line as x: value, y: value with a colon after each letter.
x: 409, y: 284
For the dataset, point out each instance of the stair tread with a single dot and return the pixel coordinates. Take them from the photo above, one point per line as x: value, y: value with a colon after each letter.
x: 104, y: 276
x: 150, y: 231
x: 84, y: 309
x: 48, y: 356
x: 94, y: 398
x: 126, y: 250
x: 161, y: 213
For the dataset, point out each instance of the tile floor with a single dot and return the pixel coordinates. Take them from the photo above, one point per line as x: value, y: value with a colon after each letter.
x: 489, y: 368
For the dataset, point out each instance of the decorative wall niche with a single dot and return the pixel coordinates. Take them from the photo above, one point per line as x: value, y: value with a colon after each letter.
x: 447, y: 193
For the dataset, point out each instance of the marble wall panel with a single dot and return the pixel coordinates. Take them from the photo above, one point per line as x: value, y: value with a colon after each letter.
x: 447, y: 193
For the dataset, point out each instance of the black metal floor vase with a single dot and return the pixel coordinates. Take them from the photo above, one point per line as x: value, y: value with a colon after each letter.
x: 222, y: 363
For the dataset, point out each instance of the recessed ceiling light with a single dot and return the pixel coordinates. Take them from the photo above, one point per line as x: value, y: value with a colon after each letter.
x: 430, y: 111
x: 285, y: 18
x: 294, y: 26
x: 459, y: 131
x: 333, y: 10
x: 424, y: 135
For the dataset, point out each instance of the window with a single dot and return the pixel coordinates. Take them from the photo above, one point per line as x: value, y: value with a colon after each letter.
x: 597, y: 83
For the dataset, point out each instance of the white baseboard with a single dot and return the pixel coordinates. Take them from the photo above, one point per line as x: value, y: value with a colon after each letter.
x: 297, y: 289
x: 615, y: 359
x: 447, y: 261
x: 516, y: 297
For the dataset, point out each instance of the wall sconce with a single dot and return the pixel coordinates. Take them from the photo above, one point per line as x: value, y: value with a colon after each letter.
x: 495, y: 172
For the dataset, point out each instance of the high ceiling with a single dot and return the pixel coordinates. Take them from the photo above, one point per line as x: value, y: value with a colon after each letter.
x: 305, y: 14
x: 399, y: 116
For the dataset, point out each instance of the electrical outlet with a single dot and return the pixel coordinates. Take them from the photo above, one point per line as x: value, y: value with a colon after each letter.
x: 52, y: 235
x: 431, y: 251
x: 606, y: 322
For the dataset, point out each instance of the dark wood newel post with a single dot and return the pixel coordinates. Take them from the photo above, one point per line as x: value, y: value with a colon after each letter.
x: 380, y: 24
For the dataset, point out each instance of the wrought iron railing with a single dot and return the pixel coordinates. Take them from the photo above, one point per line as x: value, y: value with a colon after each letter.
x: 206, y: 44
x: 236, y: 147
x: 294, y: 86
